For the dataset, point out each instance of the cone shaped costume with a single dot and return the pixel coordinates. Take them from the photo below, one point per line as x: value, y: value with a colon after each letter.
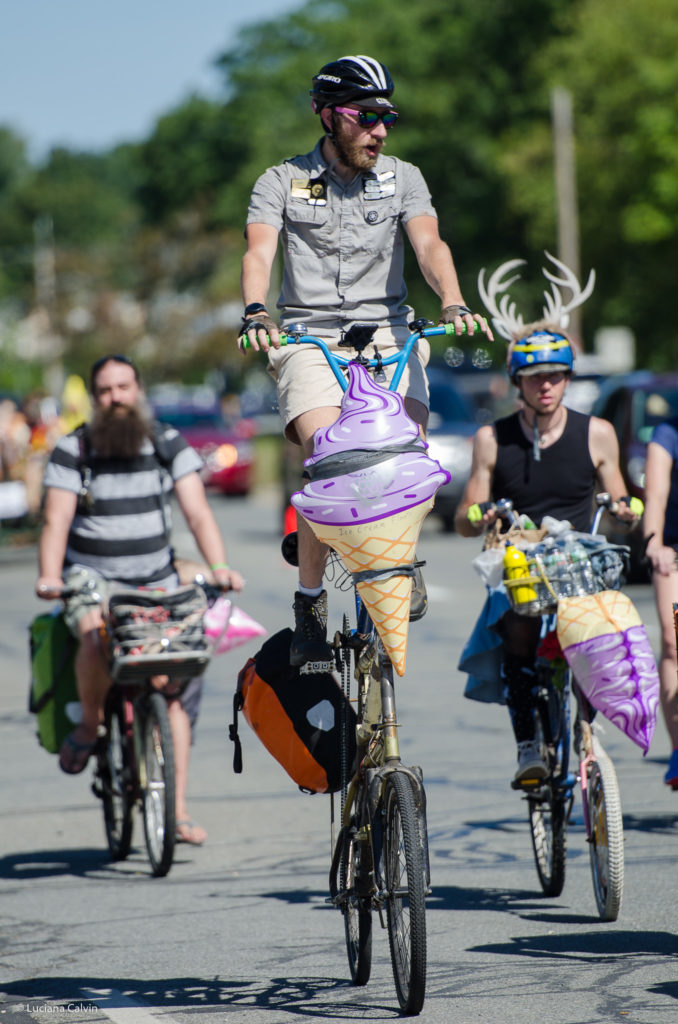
x: 371, y: 486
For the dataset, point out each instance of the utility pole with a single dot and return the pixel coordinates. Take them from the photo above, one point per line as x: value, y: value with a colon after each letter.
x: 566, y: 190
x: 44, y: 272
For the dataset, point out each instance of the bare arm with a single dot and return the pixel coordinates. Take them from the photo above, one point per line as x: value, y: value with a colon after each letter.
x: 60, y: 509
x: 436, y: 264
x: 255, y: 278
x: 193, y: 503
x: 657, y: 486
x: 604, y: 449
x: 479, y: 485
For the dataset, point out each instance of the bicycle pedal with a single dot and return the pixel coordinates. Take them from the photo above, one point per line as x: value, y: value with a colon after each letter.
x: 309, y: 668
x: 530, y: 784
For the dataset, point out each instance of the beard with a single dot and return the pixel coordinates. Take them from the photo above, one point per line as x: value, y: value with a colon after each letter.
x: 119, y: 431
x: 350, y: 153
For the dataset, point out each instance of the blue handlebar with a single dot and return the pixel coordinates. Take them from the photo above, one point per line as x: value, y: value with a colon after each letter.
x: 336, y: 362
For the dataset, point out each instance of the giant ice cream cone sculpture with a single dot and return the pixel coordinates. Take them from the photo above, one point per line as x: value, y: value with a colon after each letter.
x: 371, y: 486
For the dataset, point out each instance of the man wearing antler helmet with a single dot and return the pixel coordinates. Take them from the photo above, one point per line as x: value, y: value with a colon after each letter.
x: 340, y: 212
x: 547, y: 459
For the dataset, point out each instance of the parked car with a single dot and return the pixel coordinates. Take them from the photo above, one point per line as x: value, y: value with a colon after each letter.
x: 453, y: 420
x: 635, y: 403
x: 225, y: 447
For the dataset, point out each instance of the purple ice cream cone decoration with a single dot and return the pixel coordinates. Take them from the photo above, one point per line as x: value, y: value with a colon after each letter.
x: 370, y: 463
x: 613, y: 662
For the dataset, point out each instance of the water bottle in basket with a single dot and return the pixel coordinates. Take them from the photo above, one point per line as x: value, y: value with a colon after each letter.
x: 557, y: 568
x: 582, y: 574
x: 516, y: 568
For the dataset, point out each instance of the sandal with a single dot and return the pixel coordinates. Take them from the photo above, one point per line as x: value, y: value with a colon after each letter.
x: 74, y: 754
x: 193, y: 834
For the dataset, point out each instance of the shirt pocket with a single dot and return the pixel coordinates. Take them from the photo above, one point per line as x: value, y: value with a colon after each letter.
x: 308, y: 226
x: 381, y: 218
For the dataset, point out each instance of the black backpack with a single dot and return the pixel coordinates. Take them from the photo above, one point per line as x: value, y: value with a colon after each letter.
x: 303, y: 718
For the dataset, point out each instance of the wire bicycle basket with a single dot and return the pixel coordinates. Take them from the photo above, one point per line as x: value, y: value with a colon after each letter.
x: 154, y: 632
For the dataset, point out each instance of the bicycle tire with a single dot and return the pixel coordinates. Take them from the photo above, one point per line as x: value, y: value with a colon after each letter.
x: 158, y: 788
x: 405, y: 892
x: 606, y: 836
x: 548, y: 827
x: 356, y: 907
x: 116, y: 772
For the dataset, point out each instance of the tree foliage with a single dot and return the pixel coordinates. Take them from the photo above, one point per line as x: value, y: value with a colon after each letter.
x: 473, y: 83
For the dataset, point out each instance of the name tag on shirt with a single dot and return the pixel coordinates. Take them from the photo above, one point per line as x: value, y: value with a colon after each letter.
x: 313, y: 191
x: 380, y: 186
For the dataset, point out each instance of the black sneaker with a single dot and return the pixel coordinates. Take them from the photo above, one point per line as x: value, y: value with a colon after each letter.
x: 419, y: 599
x: 309, y: 642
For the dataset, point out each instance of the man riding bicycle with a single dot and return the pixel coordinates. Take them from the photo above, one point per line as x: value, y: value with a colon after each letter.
x: 547, y: 459
x: 107, y: 520
x: 339, y: 211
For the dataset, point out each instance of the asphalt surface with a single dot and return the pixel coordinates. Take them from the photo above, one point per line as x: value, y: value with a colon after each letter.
x: 240, y: 930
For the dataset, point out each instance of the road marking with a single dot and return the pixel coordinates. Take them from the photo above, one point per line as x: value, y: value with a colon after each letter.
x: 119, y: 1008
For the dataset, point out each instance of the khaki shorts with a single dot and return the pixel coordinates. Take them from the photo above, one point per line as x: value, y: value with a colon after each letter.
x: 305, y: 380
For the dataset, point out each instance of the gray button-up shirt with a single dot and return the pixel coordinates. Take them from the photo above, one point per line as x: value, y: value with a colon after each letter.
x: 342, y: 243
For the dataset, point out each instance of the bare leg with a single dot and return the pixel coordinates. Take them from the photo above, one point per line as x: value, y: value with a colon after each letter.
x: 181, y: 741
x: 666, y: 593
x: 93, y: 682
x: 92, y: 676
x: 312, y: 554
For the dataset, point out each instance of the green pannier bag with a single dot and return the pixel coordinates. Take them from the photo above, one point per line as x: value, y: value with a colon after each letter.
x: 53, y: 695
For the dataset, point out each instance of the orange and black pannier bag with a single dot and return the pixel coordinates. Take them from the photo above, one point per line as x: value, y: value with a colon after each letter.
x: 303, y: 718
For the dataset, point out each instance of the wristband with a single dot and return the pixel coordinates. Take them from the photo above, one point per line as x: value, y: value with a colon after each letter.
x: 219, y: 565
x: 255, y: 307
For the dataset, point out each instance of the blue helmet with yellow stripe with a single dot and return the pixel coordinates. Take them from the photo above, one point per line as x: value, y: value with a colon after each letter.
x: 542, y: 351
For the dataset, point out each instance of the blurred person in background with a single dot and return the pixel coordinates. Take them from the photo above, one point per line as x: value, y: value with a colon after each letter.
x: 112, y: 525
x: 660, y: 527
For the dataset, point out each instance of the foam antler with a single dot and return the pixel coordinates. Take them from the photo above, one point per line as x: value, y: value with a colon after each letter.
x: 503, y: 313
x: 555, y: 310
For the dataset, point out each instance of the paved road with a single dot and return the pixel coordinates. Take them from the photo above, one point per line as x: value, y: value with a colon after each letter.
x: 240, y: 930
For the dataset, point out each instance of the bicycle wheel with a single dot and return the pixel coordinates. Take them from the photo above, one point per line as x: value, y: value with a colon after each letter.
x: 405, y: 892
x: 357, y: 906
x: 606, y: 836
x: 548, y: 827
x: 115, y: 770
x: 158, y: 784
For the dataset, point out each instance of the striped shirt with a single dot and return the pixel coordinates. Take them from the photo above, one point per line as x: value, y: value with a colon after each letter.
x: 124, y: 536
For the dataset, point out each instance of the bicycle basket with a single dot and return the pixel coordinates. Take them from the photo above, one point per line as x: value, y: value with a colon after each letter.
x: 157, y: 633
x: 557, y: 570
x: 534, y: 594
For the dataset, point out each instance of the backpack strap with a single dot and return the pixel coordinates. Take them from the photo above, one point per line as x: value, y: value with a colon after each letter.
x: 233, y: 733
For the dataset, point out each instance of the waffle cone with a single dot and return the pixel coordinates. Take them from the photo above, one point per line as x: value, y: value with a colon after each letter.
x: 582, y: 618
x: 383, y: 544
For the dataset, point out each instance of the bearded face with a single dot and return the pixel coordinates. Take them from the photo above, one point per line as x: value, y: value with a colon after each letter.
x: 119, y: 431
x: 354, y: 153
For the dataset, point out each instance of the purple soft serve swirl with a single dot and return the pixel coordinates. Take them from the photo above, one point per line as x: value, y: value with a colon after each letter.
x: 370, y: 418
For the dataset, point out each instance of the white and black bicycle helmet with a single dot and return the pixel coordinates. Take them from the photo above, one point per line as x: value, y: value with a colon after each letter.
x: 360, y: 80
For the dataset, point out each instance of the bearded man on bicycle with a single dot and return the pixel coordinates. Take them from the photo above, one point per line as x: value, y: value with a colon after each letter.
x: 339, y: 211
x: 106, y: 519
x: 547, y: 459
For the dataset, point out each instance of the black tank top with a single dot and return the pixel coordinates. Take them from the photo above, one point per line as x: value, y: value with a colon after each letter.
x: 561, y: 484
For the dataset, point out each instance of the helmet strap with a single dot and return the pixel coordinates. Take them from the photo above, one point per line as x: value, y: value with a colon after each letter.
x: 331, y: 131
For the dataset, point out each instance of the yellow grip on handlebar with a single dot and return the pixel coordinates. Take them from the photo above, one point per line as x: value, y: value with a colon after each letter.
x: 636, y: 506
x: 474, y: 514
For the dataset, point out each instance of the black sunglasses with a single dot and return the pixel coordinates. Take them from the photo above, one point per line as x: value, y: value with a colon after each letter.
x: 370, y: 118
